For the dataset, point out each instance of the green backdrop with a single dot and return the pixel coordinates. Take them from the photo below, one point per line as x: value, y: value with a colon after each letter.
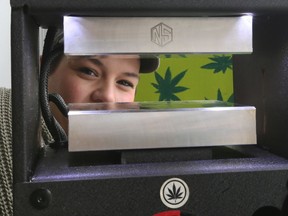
x: 189, y: 77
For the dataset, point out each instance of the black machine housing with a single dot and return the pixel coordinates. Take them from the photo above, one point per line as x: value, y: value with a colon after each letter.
x: 250, y: 180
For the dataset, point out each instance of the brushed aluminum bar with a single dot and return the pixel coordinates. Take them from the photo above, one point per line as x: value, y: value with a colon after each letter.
x: 140, y: 128
x: 118, y: 35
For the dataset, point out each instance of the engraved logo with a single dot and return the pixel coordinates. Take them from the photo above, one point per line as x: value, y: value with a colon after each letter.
x: 161, y: 34
x: 174, y: 193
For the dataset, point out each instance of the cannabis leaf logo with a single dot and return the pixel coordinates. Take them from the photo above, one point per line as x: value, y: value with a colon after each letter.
x: 175, y: 193
x: 167, y: 86
x: 221, y: 63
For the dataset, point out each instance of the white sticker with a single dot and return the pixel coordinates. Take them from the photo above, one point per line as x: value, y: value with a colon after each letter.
x: 174, y: 193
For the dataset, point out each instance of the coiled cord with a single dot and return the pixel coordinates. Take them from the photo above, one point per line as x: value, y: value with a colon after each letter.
x: 57, y: 132
x: 60, y: 103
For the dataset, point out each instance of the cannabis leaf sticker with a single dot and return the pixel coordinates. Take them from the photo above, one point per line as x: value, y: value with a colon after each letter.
x: 220, y: 63
x: 175, y: 193
x: 167, y: 86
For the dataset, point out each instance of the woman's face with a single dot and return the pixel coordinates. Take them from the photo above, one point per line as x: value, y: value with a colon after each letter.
x: 112, y: 78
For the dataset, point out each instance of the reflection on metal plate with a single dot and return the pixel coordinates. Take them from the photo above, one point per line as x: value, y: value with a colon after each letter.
x: 112, y: 126
x: 114, y: 35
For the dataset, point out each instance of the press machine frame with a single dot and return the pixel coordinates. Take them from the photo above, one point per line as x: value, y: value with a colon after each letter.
x: 45, y: 183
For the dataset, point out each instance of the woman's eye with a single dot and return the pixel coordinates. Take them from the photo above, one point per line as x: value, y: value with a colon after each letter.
x: 87, y: 71
x: 125, y: 83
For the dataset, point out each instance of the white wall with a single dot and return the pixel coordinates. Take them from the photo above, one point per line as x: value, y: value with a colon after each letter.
x: 5, y: 47
x: 5, y: 53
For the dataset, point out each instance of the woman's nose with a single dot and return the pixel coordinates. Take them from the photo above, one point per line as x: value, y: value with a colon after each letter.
x: 104, y: 93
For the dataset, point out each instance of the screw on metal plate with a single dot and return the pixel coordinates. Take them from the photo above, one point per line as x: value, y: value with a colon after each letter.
x: 40, y: 198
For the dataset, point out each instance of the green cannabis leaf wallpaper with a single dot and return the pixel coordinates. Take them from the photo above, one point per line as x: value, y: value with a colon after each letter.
x: 167, y: 86
x: 189, y: 77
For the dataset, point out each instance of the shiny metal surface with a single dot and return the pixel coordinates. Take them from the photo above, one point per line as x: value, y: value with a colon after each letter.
x: 142, y: 126
x: 114, y: 35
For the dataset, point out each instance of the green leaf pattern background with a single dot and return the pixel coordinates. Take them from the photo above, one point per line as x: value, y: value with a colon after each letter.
x: 189, y: 77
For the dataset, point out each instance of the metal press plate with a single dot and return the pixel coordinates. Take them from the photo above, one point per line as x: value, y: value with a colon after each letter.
x: 114, y: 35
x: 115, y: 126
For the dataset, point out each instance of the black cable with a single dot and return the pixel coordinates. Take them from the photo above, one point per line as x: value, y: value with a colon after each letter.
x: 60, y: 103
x: 53, y: 126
